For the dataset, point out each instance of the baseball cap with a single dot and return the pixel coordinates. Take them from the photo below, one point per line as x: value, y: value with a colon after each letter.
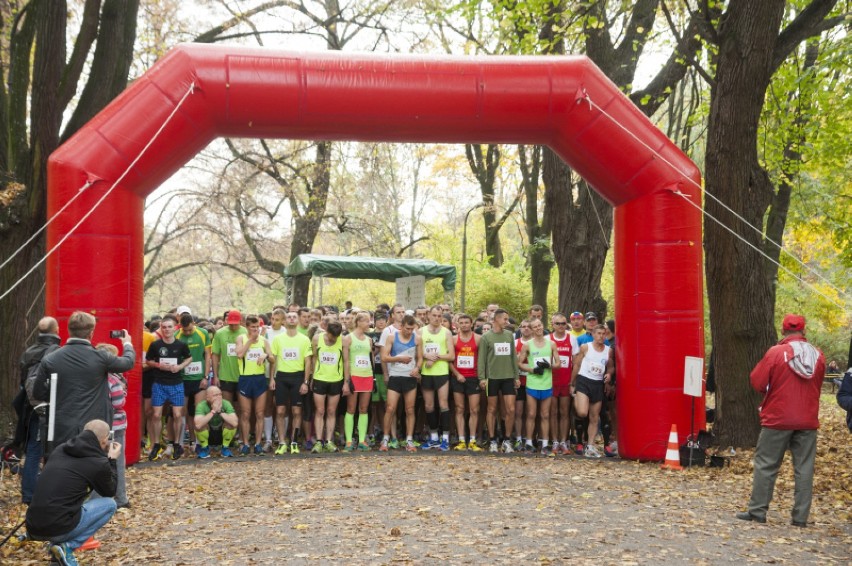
x: 234, y: 317
x: 793, y: 322
x: 576, y: 314
x: 591, y: 316
x: 183, y: 309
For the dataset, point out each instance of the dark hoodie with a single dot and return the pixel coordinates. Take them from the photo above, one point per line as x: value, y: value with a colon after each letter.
x: 74, y: 469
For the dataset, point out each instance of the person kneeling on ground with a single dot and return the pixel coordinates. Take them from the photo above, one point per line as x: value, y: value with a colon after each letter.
x: 217, y: 414
x: 58, y: 513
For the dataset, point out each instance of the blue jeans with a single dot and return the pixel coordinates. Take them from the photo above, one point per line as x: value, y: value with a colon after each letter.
x: 32, y: 460
x: 95, y: 514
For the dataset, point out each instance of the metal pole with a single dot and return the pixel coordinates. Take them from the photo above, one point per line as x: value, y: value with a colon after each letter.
x: 464, y: 255
x: 51, y: 423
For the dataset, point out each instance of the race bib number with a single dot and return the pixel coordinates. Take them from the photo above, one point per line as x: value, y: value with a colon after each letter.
x: 431, y: 348
x: 194, y: 369
x: 328, y: 358
x: 502, y: 349
x: 170, y: 361
x: 254, y: 355
x: 596, y: 369
x: 464, y: 362
x: 362, y: 362
x: 232, y: 349
x: 290, y: 355
x: 565, y: 361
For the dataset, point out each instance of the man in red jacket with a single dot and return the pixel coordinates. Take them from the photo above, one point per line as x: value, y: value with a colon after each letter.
x: 789, y: 376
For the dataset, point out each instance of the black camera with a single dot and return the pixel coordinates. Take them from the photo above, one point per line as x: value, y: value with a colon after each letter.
x: 116, y: 333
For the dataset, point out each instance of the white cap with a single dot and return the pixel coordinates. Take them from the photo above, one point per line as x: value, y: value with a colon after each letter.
x: 183, y: 309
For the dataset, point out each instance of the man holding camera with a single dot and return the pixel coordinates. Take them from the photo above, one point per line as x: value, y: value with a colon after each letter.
x: 81, y: 391
x: 60, y: 511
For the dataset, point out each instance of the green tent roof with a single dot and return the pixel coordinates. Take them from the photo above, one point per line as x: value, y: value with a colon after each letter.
x: 385, y: 269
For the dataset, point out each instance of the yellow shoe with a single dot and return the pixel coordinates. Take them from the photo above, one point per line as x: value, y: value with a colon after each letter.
x: 474, y: 447
x: 462, y: 445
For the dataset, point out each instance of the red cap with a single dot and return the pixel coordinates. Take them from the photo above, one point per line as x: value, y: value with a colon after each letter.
x: 793, y: 322
x: 234, y: 317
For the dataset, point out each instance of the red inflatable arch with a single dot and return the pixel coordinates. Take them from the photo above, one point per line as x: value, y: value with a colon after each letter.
x: 563, y: 102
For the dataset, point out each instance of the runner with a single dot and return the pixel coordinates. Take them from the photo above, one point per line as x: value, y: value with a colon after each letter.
x: 577, y: 328
x: 497, y: 369
x: 524, y: 334
x: 436, y: 349
x: 293, y: 363
x: 195, y: 374
x: 271, y: 332
x: 252, y: 352
x: 401, y: 355
x: 397, y: 314
x: 566, y: 347
x: 327, y: 385
x: 539, y: 357
x: 213, y: 414
x: 358, y: 383
x: 380, y: 388
x: 226, y: 370
x: 592, y: 370
x: 465, y: 383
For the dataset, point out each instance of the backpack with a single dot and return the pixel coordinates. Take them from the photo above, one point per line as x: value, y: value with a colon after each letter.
x: 29, y: 384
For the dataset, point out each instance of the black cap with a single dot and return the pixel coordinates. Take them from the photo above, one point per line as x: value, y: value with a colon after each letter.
x: 591, y: 316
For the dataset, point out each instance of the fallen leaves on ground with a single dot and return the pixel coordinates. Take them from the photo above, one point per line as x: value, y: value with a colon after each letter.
x: 428, y: 507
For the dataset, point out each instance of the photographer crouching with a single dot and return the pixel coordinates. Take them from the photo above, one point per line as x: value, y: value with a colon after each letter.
x: 59, y: 511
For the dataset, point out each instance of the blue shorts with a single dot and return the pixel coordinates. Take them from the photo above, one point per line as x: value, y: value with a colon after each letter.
x: 540, y: 394
x: 252, y: 386
x: 172, y: 393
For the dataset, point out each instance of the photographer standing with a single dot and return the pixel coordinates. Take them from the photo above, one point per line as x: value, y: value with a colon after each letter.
x: 82, y: 388
x: 58, y: 513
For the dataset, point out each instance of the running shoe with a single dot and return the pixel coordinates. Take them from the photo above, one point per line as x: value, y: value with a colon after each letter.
x: 226, y: 452
x: 245, y: 450
x: 492, y: 447
x: 63, y: 554
x: 415, y: 442
x: 578, y: 449
x: 196, y: 447
x: 429, y: 444
x: 204, y: 452
x: 363, y: 447
x: 555, y: 449
x: 167, y: 452
x: 393, y: 444
x: 348, y: 447
x: 294, y: 448
x: 177, y: 452
x: 564, y: 449
x: 528, y: 449
x: 155, y: 453
x: 258, y: 449
x: 409, y: 446
x: 371, y: 440
x: 591, y: 452
x: 444, y: 445
x: 309, y: 445
x: 317, y: 448
x: 545, y: 451
x: 462, y: 445
x: 383, y: 447
x: 473, y: 446
x: 281, y: 450
x: 507, y: 447
x: 267, y: 447
x: 519, y: 444
x: 611, y: 451
x: 329, y: 447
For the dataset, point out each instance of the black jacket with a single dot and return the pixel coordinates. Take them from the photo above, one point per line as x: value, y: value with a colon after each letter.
x: 75, y: 468
x: 45, y: 344
x: 844, y: 397
x: 82, y: 393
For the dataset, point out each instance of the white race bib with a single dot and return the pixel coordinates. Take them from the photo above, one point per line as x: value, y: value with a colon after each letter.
x: 596, y: 369
x: 232, y: 349
x: 253, y: 355
x: 431, y: 348
x: 362, y: 362
x: 194, y: 368
x: 328, y: 358
x: 464, y: 362
x: 503, y: 349
x: 170, y: 361
x: 565, y: 361
x: 290, y: 354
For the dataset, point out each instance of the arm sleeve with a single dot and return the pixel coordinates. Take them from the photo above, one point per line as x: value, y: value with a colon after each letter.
x: 124, y: 362
x: 761, y: 372
x: 40, y: 389
x: 105, y: 480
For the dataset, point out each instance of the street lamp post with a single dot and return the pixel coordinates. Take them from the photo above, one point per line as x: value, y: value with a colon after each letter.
x: 464, y: 254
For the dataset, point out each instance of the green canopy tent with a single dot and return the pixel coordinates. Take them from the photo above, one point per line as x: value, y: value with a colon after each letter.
x: 384, y: 269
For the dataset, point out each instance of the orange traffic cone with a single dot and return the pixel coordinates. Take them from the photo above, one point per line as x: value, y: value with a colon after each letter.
x: 90, y: 544
x: 672, y: 454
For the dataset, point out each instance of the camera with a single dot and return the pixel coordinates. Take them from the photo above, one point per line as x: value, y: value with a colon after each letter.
x: 111, y: 436
x: 116, y: 333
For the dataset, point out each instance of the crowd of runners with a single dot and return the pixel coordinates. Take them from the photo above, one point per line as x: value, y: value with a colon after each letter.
x: 299, y: 379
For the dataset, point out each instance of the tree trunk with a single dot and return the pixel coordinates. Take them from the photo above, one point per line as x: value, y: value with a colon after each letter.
x: 740, y: 293
x: 484, y: 168
x: 540, y: 257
